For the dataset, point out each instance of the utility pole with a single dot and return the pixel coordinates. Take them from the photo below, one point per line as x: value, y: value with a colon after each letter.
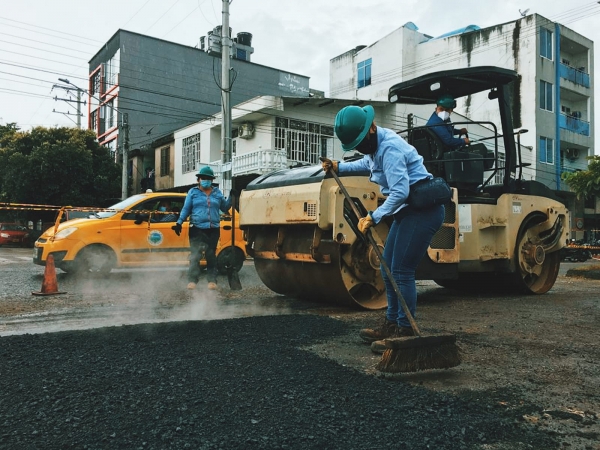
x: 70, y: 100
x: 124, y: 127
x: 124, y: 174
x: 225, y: 91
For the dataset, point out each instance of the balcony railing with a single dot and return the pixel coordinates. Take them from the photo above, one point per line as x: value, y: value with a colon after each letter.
x: 577, y: 76
x: 260, y: 161
x: 574, y: 124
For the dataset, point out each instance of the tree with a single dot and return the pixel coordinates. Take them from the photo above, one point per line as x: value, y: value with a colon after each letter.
x: 55, y: 166
x: 585, y: 183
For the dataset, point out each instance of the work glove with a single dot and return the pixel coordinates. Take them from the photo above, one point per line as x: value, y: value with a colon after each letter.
x: 364, y: 223
x: 329, y: 164
x: 177, y: 229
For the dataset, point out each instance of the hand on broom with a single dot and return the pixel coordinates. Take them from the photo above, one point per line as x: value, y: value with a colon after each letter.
x: 364, y: 223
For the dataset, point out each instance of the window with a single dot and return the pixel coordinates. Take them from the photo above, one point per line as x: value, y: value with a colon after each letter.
x: 94, y: 120
x: 364, y: 73
x: 546, y: 95
x: 165, y: 161
x: 109, y: 114
x: 96, y: 83
x: 303, y: 141
x: 190, y: 153
x: 546, y: 150
x: 111, y: 70
x: 545, y: 43
x: 112, y: 149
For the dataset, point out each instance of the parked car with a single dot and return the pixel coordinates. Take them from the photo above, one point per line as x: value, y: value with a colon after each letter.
x: 13, y: 233
x: 575, y: 254
x: 128, y: 234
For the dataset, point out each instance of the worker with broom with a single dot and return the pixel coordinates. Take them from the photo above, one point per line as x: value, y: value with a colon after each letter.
x: 398, y: 169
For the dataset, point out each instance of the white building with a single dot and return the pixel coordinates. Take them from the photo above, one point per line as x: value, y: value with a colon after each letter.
x: 553, y: 100
x: 269, y: 133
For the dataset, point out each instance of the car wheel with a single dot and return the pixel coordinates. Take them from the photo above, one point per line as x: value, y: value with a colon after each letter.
x: 95, y: 259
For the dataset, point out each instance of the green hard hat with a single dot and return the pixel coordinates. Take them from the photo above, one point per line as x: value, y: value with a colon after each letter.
x: 352, y: 124
x: 206, y: 171
x: 446, y: 101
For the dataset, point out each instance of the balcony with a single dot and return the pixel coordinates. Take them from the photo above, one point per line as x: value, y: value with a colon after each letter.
x: 574, y: 124
x: 577, y: 76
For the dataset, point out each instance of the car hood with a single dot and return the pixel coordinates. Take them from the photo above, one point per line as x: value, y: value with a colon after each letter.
x: 68, y: 224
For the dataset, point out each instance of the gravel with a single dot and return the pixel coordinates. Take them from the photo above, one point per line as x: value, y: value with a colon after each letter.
x: 246, y: 383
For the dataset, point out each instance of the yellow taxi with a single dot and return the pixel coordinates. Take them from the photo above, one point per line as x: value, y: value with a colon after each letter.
x: 132, y: 233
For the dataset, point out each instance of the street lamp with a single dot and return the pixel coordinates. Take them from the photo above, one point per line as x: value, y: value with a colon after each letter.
x: 124, y: 126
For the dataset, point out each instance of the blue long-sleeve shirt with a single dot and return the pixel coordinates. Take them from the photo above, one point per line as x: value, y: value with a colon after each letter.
x: 445, y: 132
x: 395, y: 166
x: 204, y: 210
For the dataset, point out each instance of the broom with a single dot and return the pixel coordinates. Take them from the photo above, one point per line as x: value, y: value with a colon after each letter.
x: 410, y: 353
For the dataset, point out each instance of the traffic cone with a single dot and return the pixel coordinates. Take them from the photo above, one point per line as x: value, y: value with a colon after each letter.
x: 49, y: 285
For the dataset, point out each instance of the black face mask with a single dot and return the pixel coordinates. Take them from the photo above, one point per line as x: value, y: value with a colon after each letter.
x: 368, y: 145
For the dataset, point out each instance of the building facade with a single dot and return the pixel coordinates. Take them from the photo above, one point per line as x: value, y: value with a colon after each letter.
x: 553, y: 99
x: 143, y: 88
x: 269, y: 133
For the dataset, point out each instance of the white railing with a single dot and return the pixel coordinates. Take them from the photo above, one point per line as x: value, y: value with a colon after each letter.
x: 260, y: 161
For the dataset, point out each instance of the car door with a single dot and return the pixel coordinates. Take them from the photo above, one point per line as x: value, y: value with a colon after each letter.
x: 166, y: 248
x: 135, y: 248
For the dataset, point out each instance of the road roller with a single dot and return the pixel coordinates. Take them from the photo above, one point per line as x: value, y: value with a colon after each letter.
x: 303, y: 236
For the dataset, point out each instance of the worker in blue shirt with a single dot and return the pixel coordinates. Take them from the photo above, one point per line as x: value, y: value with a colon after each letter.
x: 203, y: 205
x: 440, y: 124
x: 394, y: 165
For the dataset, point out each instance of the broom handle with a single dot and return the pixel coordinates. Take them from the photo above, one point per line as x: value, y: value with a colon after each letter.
x: 409, y: 316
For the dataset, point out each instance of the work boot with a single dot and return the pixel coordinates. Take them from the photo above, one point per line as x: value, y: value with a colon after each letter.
x: 212, y: 285
x: 387, y: 329
x: 191, y: 285
x: 379, y: 346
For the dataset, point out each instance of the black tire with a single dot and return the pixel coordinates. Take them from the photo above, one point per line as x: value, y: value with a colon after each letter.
x: 230, y: 256
x: 95, y: 259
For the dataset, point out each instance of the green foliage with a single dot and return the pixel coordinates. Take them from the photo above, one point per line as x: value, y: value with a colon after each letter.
x: 55, y: 166
x: 585, y: 183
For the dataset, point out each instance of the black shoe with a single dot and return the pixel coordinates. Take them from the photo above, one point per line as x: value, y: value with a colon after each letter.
x: 405, y: 331
x: 386, y: 330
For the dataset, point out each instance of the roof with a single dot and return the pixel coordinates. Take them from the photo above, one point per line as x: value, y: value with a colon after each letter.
x: 428, y: 88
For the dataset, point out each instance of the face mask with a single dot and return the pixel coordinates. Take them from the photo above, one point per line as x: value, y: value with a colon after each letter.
x: 162, y: 208
x: 205, y: 183
x: 444, y: 115
x: 368, y: 145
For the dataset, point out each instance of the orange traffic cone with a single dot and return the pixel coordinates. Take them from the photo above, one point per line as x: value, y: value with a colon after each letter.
x: 49, y: 285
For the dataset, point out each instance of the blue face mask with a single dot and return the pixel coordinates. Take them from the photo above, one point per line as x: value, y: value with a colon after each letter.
x: 205, y: 183
x: 162, y: 208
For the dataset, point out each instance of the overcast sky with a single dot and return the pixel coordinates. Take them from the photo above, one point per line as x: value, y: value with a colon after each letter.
x: 42, y: 40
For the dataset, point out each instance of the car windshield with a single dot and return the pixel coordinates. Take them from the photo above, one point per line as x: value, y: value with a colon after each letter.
x: 119, y: 206
x: 10, y: 227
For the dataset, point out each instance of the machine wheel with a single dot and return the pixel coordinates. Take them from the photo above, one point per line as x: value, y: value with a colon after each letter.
x: 534, y: 278
x: 230, y: 256
x: 95, y: 259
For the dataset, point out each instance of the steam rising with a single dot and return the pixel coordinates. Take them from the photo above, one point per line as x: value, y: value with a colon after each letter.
x: 135, y: 296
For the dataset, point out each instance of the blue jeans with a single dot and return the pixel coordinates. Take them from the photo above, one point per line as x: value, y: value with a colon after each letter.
x: 406, y: 244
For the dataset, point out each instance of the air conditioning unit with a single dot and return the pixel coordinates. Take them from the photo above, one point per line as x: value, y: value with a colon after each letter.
x: 246, y: 130
x: 572, y: 154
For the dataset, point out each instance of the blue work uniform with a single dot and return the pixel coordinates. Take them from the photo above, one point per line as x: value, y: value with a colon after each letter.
x: 204, y: 211
x: 445, y: 132
x: 395, y: 166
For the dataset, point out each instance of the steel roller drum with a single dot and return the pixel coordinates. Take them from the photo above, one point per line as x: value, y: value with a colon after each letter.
x: 303, y: 256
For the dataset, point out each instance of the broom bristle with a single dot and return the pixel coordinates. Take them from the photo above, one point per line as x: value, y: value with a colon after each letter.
x: 415, y: 359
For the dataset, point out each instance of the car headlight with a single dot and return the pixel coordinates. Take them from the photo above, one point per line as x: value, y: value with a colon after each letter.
x: 65, y: 233
x: 4, y: 235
